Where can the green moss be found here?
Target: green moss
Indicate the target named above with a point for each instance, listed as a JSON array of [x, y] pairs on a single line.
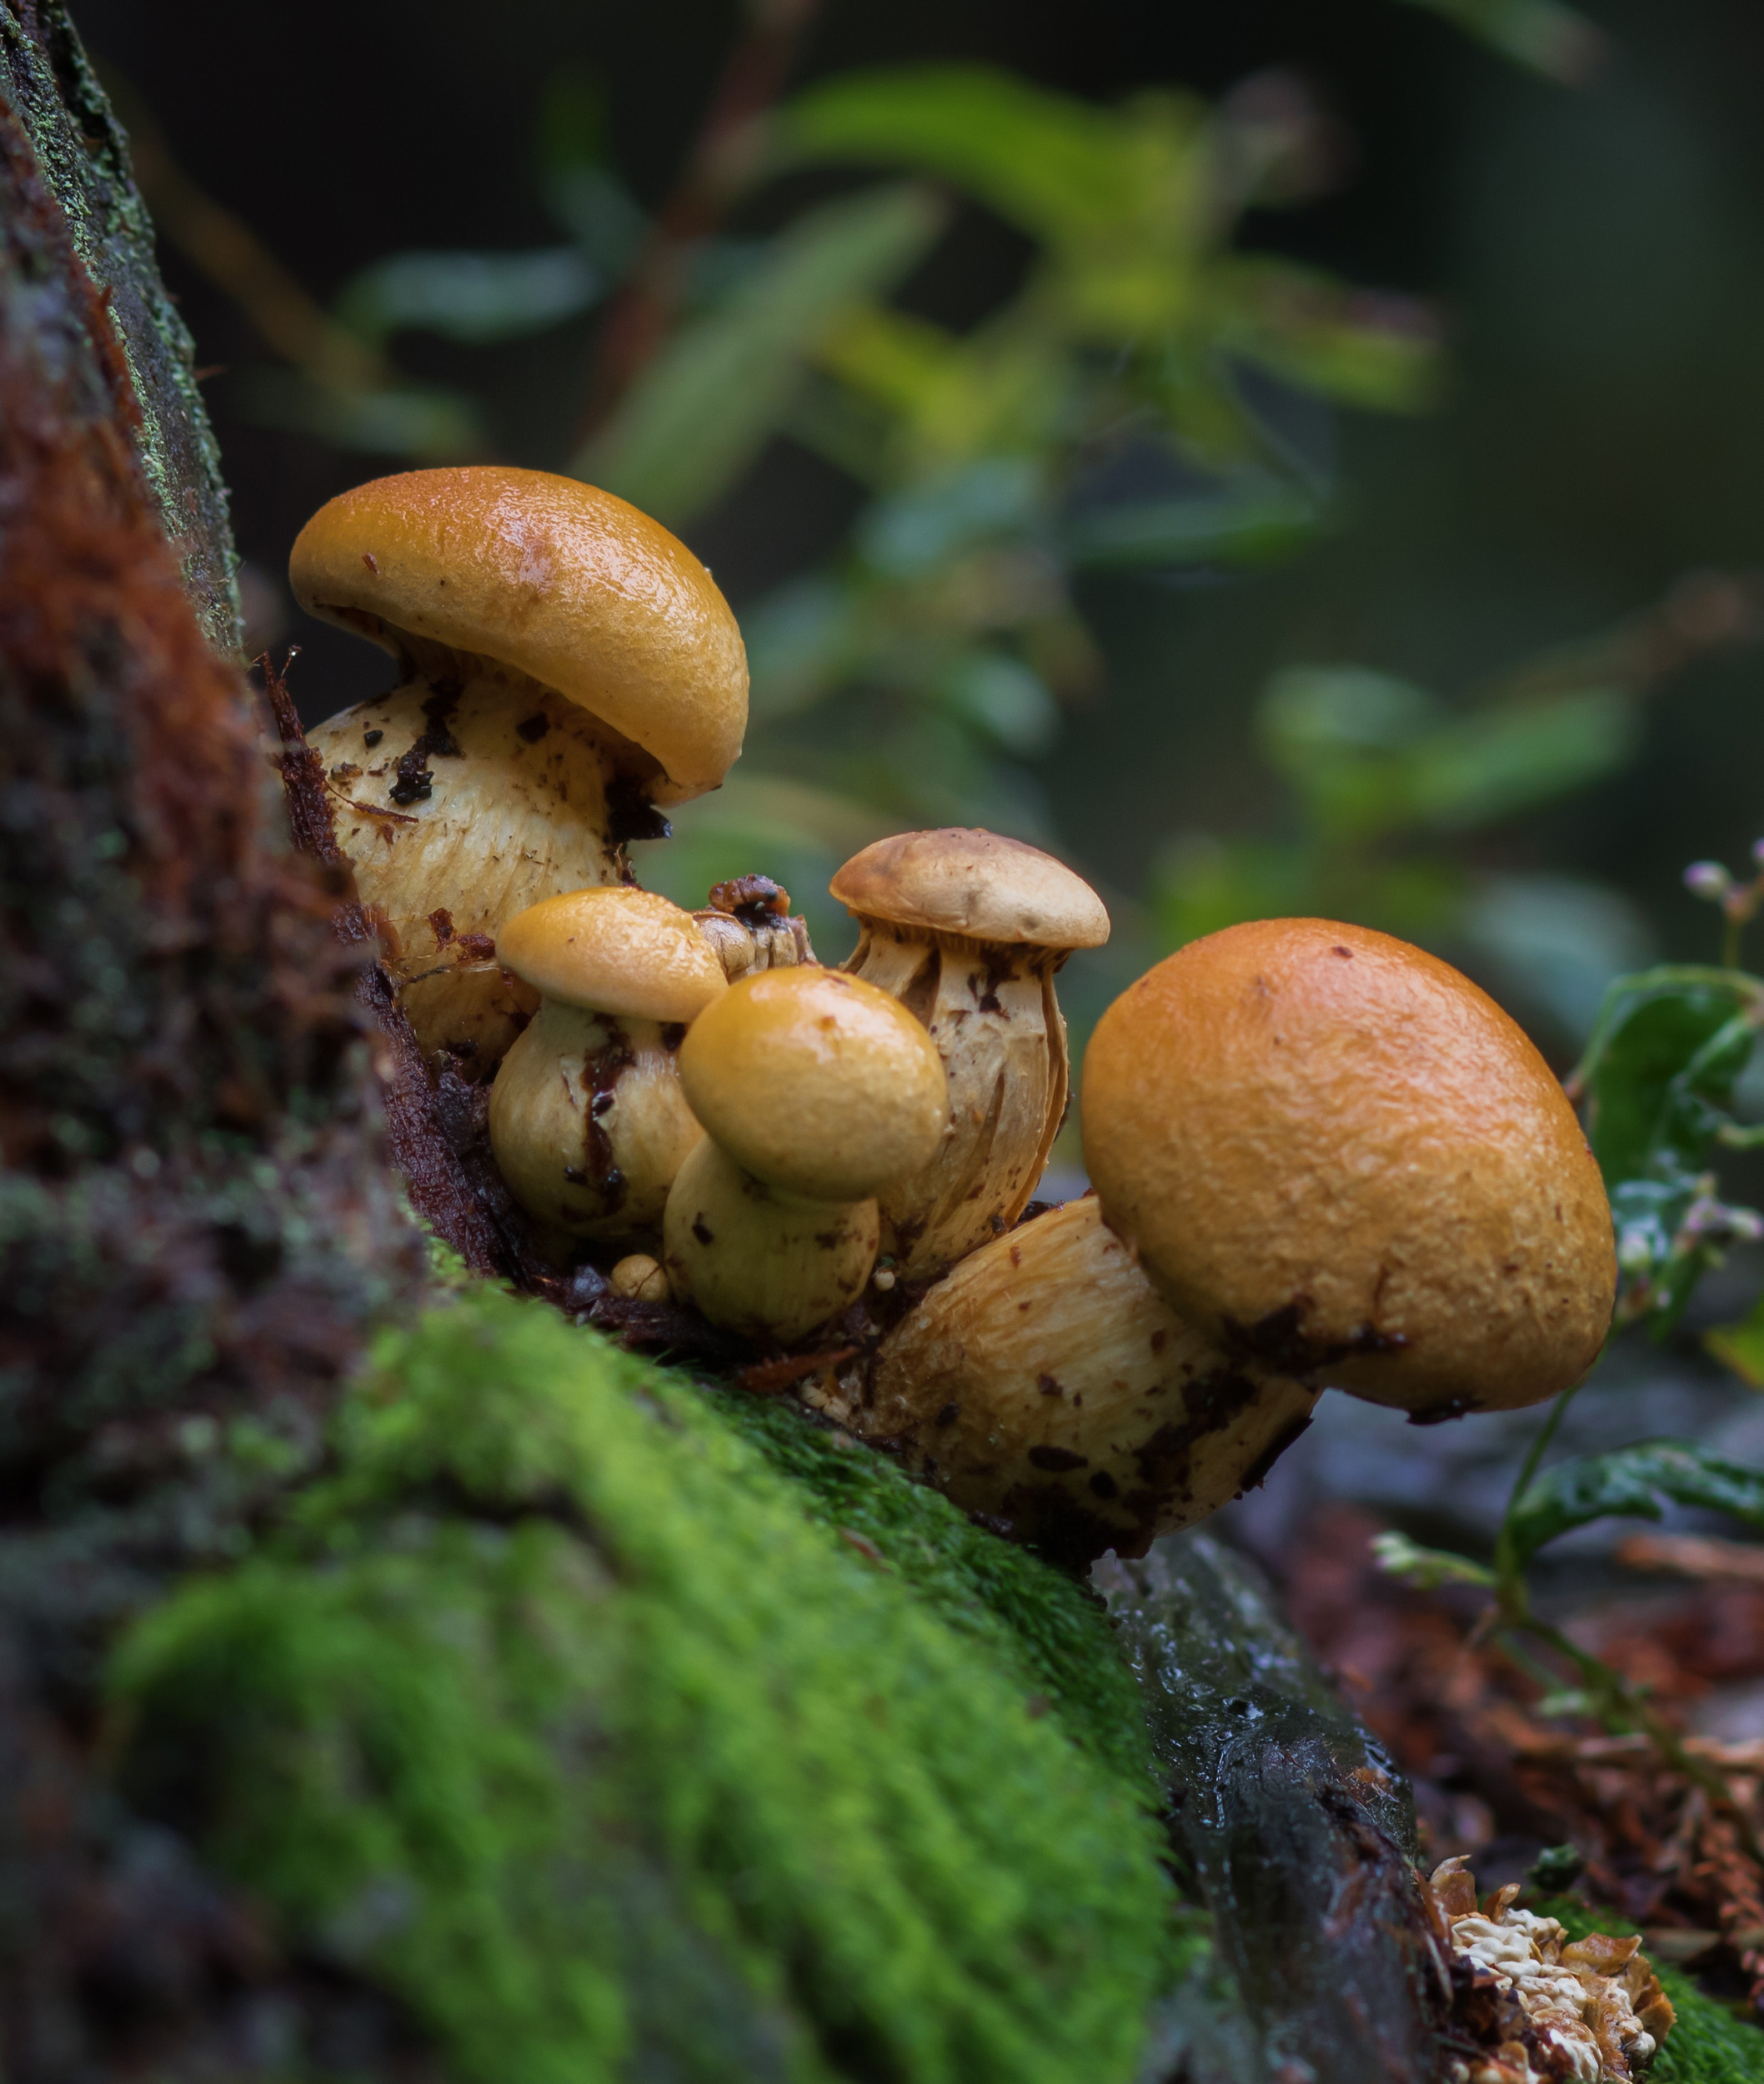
[[1046, 1627], [1707, 2045], [567, 1710]]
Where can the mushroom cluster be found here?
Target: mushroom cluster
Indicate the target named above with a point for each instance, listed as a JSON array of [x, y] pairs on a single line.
[[564, 665], [1543, 2008], [1321, 1158]]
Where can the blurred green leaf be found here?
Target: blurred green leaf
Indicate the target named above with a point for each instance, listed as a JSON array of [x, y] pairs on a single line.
[[1633, 1483], [1740, 1346], [799, 640], [706, 406], [1554, 942], [1250, 524], [1426, 1569], [1658, 1074], [1202, 884], [917, 530], [1371, 754], [1002, 697], [426, 425], [1063, 169], [473, 297], [1493, 763], [1549, 38], [1364, 347]]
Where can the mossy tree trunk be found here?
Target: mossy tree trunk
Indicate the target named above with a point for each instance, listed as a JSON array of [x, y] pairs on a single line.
[[197, 1225]]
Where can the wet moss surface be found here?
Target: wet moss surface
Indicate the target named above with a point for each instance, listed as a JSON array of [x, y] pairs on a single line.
[[622, 1728]]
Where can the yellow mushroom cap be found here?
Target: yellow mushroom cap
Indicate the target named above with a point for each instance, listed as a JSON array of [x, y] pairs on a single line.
[[554, 576], [1333, 1152], [980, 884], [815, 1083], [614, 950]]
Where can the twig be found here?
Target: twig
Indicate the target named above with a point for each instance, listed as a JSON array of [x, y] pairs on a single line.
[[718, 167]]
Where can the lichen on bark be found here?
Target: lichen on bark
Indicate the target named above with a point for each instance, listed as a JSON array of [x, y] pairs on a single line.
[[55, 103]]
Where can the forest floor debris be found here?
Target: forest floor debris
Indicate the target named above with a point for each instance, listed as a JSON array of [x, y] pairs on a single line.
[[1505, 1769]]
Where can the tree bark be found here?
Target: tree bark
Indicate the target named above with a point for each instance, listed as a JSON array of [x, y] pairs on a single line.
[[81, 158], [198, 1228]]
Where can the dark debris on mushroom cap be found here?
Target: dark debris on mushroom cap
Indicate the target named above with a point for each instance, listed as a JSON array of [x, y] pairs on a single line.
[[964, 880]]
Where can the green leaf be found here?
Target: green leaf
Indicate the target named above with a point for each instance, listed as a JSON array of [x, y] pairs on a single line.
[[1364, 347], [474, 298], [1493, 763], [1740, 1346], [914, 531], [1663, 1061], [1662, 1064], [1061, 168], [425, 425], [1427, 1569], [1557, 41], [1251, 524], [1636, 1482], [706, 406]]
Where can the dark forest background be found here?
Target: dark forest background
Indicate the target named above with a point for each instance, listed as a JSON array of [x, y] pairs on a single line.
[[1595, 253]]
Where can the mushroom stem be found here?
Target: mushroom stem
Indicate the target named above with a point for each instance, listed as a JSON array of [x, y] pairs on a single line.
[[466, 795], [749, 923], [588, 1123], [1045, 1382], [991, 1011], [768, 1265]]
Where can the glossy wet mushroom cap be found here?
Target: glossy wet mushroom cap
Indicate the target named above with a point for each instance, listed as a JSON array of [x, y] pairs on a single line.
[[616, 949], [1336, 1154], [815, 1083], [561, 581], [976, 884]]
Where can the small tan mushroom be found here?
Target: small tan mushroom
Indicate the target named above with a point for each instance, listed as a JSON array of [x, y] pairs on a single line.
[[564, 663], [967, 930], [1335, 1155], [588, 1123], [639, 1278], [815, 1091], [1047, 1384], [749, 923]]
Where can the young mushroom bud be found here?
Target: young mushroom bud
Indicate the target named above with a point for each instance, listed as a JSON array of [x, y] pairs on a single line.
[[565, 664], [1335, 1155], [1045, 1383], [967, 930], [814, 1091], [749, 923], [588, 1123]]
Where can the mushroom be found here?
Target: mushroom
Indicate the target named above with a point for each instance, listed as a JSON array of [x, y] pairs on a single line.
[[588, 1123], [967, 930], [564, 663], [1046, 1383], [749, 924], [1335, 1155], [814, 1091]]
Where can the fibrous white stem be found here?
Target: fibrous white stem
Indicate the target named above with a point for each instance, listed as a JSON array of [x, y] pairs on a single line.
[[992, 1012], [1047, 1383], [769, 1265], [588, 1123], [466, 795]]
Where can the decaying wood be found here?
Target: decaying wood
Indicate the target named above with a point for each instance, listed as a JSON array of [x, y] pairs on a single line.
[[1294, 1821]]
